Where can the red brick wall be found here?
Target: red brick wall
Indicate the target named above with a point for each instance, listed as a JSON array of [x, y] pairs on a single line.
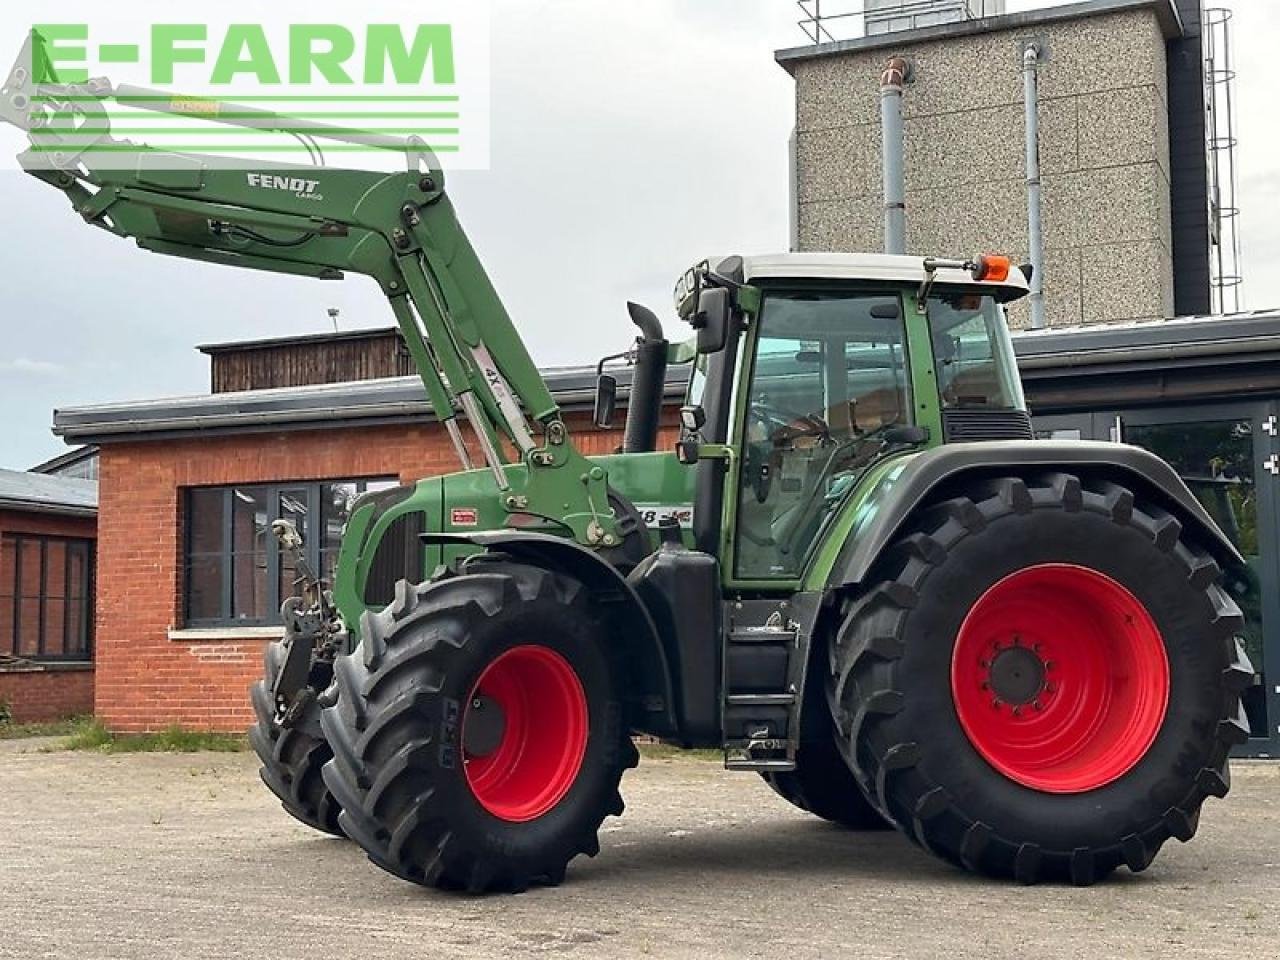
[[35, 695], [147, 681]]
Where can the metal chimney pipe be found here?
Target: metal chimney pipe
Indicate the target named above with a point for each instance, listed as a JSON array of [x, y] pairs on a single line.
[[1035, 225], [892, 81]]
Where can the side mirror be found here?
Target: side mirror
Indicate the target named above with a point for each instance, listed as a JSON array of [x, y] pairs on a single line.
[[712, 320], [606, 400]]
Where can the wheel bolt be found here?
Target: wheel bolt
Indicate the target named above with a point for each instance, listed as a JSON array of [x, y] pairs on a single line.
[[1049, 664], [1037, 706], [1017, 711], [996, 703], [1050, 688], [476, 704]]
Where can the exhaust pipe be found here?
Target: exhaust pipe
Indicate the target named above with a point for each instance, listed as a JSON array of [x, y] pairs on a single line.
[[892, 82], [649, 378], [1035, 225]]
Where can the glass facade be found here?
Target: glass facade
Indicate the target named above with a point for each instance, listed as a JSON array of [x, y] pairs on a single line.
[[235, 572]]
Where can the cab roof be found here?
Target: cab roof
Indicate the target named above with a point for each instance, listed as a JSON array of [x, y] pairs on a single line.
[[890, 268]]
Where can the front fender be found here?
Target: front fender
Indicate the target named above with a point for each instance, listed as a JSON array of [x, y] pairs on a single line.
[[879, 516], [650, 696]]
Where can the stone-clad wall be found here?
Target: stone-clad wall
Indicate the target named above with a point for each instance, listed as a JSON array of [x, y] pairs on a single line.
[[1104, 153]]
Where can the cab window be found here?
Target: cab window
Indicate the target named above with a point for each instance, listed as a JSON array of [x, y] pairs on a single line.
[[829, 378]]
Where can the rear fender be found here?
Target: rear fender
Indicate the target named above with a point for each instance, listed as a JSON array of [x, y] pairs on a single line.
[[650, 697], [885, 511]]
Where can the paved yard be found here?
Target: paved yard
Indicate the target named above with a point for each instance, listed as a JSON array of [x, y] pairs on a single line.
[[160, 856]]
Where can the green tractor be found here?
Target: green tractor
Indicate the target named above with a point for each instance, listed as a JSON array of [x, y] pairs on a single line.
[[857, 573]]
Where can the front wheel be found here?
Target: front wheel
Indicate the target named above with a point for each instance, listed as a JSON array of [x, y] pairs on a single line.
[[1044, 682], [292, 758], [478, 738]]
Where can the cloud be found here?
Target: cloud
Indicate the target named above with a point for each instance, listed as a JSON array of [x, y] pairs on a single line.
[[38, 368]]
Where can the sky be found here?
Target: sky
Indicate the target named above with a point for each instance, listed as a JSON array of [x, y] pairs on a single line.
[[629, 140]]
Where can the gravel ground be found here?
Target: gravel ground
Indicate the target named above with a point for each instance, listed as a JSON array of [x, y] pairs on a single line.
[[163, 856]]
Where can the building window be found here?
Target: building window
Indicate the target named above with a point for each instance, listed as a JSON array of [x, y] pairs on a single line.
[[46, 598], [235, 572]]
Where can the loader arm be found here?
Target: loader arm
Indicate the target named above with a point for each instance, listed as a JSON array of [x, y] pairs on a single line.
[[322, 222]]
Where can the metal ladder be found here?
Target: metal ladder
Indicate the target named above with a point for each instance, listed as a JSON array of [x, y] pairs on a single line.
[[761, 721]]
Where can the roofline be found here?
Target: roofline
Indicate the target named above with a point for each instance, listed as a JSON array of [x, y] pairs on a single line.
[[18, 505], [1165, 10], [1231, 339], [82, 452], [232, 346], [360, 403]]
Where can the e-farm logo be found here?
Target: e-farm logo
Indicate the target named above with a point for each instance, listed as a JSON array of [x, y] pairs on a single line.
[[328, 52], [243, 94]]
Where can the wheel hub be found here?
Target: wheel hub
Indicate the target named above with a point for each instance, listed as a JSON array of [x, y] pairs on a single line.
[[524, 733], [1017, 675], [485, 726], [1060, 678]]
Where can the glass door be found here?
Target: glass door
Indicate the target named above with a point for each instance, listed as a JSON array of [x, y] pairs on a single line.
[[1227, 456]]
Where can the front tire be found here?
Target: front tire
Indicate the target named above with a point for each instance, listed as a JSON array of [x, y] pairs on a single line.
[[292, 759], [1043, 680], [478, 737]]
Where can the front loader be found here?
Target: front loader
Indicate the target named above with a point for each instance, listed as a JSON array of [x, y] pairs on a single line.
[[857, 573]]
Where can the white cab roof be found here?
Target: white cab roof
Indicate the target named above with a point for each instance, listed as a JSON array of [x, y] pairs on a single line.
[[866, 266]]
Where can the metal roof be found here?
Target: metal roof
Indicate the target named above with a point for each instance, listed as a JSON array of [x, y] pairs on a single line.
[[40, 493], [55, 465], [1165, 10], [1149, 340]]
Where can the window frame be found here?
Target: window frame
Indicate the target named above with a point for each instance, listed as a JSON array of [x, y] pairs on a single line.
[[11, 645], [313, 545]]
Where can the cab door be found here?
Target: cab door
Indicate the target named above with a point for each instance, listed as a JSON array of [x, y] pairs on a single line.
[[826, 373]]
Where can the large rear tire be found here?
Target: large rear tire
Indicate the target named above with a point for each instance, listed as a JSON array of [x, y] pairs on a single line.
[[822, 783], [292, 759], [478, 737], [1042, 680]]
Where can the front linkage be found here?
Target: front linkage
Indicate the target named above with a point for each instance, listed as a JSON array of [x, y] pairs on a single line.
[[314, 636]]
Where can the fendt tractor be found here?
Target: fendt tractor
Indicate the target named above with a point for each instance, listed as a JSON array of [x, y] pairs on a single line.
[[857, 573]]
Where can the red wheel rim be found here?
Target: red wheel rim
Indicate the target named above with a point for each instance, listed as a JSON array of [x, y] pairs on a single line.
[[530, 759], [1060, 678]]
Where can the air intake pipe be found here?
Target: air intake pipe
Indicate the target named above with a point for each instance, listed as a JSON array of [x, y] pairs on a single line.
[[648, 383]]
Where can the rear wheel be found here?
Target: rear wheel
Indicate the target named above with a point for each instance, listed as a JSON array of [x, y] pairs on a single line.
[[292, 759], [478, 738], [1044, 682]]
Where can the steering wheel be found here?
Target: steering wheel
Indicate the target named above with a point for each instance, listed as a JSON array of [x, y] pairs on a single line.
[[779, 420]]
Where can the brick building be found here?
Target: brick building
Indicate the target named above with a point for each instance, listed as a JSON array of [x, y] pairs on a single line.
[[190, 579], [47, 532]]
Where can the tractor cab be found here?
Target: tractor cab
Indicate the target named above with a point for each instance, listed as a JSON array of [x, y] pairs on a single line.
[[817, 368]]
